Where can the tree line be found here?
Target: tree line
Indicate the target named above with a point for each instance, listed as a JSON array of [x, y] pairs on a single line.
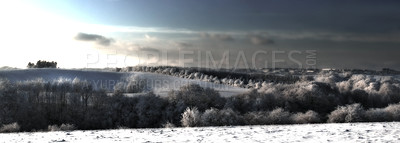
[[42, 64], [40, 105], [221, 76]]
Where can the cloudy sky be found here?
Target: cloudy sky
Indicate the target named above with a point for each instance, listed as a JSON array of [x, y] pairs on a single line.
[[361, 34]]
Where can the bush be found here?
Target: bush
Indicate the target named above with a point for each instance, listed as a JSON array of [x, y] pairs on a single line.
[[169, 125], [194, 95], [8, 128], [279, 116], [228, 117], [393, 111], [63, 127], [215, 117], [191, 117], [256, 118], [131, 84], [376, 115], [346, 114], [308, 117]]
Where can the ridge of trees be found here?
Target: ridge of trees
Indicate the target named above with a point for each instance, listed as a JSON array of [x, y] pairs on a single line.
[[38, 104], [42, 64], [237, 78]]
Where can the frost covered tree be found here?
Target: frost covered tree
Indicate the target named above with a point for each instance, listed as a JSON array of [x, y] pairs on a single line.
[[194, 95], [308, 117], [346, 114], [191, 117], [224, 117]]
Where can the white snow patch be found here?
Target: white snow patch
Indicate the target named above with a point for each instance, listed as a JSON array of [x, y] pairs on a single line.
[[162, 84], [349, 132], [158, 83]]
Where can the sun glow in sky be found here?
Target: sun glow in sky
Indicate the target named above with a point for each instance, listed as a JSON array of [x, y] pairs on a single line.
[[30, 34], [364, 34]]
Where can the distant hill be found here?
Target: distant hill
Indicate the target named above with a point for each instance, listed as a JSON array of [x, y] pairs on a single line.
[[160, 84]]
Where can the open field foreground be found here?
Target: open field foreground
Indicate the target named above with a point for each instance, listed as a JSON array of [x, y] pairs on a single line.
[[348, 132]]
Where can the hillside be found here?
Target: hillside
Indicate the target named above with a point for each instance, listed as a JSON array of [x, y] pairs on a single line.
[[160, 84]]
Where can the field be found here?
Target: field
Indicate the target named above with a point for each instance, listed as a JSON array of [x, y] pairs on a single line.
[[346, 132], [158, 83]]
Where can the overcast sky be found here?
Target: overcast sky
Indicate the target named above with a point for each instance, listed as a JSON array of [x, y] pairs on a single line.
[[108, 33]]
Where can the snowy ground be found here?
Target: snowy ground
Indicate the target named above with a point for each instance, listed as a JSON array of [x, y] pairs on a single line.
[[162, 84], [349, 132], [158, 83]]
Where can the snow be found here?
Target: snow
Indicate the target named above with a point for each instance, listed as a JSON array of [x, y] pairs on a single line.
[[54, 74], [158, 83], [348, 132], [162, 84]]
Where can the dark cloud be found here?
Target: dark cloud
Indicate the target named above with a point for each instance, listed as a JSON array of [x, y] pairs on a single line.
[[220, 37], [260, 40], [101, 40], [183, 44], [148, 49]]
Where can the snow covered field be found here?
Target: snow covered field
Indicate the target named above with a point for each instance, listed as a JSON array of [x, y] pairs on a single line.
[[159, 84], [53, 74], [349, 132], [162, 84]]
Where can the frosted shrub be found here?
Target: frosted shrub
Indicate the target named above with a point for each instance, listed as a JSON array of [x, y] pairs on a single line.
[[387, 114], [308, 117], [209, 117], [393, 111], [215, 117], [67, 127], [53, 128], [256, 118], [131, 84], [194, 95], [135, 84], [279, 116], [229, 117], [8, 128], [344, 86], [190, 118], [346, 114], [376, 115], [168, 125], [63, 127], [327, 77]]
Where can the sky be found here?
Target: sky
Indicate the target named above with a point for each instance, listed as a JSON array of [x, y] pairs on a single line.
[[362, 34]]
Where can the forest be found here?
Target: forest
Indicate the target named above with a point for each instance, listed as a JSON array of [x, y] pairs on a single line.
[[65, 104]]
